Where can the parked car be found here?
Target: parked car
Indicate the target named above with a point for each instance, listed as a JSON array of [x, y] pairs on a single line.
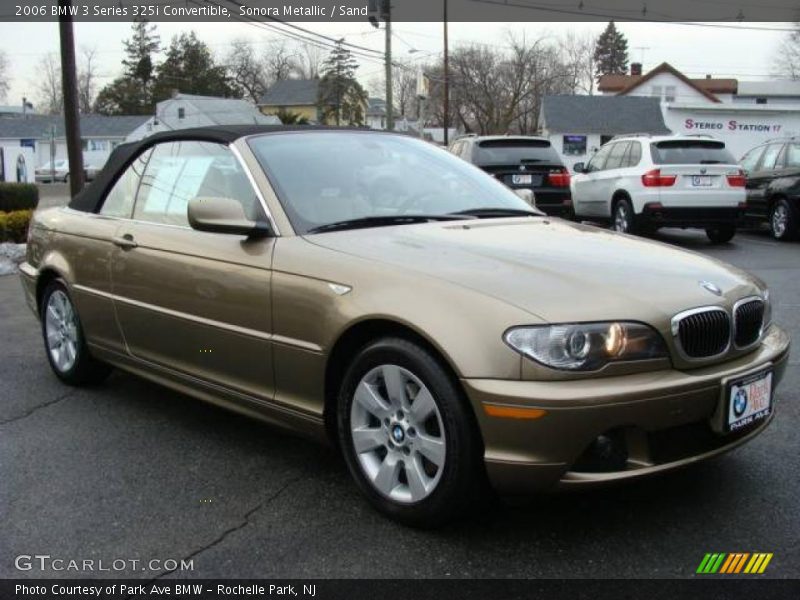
[[453, 338], [641, 183], [522, 163], [773, 186], [44, 174], [53, 171]]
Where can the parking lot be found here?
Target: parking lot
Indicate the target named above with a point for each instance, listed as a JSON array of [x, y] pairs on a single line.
[[131, 471]]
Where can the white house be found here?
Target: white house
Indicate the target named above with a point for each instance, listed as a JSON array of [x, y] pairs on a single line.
[[742, 114], [187, 110], [44, 134]]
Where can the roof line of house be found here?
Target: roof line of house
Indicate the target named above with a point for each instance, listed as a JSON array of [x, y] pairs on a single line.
[[665, 67]]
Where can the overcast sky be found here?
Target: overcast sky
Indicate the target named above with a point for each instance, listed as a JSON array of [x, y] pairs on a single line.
[[695, 50]]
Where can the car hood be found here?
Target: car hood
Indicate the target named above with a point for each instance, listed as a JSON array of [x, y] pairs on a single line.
[[555, 270]]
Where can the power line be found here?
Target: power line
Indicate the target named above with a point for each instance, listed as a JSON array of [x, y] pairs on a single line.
[[579, 12]]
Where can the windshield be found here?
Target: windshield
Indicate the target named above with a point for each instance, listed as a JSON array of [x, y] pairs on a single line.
[[690, 152], [324, 177]]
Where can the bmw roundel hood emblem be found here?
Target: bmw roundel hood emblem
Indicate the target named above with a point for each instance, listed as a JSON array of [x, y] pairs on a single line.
[[714, 289]]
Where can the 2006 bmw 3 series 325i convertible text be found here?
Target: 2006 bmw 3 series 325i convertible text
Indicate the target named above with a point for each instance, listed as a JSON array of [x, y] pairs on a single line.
[[372, 290]]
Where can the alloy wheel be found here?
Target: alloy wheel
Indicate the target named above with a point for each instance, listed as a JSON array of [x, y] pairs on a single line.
[[398, 434], [780, 220], [61, 330], [621, 218]]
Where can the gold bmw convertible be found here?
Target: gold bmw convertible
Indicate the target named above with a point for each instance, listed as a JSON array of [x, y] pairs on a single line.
[[374, 291]]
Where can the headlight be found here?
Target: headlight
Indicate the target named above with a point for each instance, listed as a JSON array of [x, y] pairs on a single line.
[[586, 346]]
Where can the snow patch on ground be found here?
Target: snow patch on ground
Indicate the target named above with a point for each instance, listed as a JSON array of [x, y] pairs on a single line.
[[10, 256]]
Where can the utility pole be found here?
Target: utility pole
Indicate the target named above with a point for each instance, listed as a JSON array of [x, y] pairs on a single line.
[[446, 120], [387, 17], [378, 10], [69, 80]]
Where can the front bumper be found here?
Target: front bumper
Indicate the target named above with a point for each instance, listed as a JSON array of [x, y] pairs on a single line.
[[662, 419]]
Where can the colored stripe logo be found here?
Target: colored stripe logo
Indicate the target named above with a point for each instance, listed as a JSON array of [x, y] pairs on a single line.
[[734, 563]]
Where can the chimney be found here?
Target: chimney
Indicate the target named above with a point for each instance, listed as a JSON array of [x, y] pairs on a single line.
[[636, 69]]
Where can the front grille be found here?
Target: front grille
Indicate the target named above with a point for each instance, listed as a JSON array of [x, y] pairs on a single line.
[[704, 334], [748, 320]]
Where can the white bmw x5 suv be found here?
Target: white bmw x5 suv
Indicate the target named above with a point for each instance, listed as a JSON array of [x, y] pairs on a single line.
[[641, 183]]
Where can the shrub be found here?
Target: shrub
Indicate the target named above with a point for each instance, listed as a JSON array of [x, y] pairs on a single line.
[[18, 196], [14, 226]]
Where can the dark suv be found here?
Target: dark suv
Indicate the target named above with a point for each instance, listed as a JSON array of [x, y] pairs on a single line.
[[522, 162], [773, 186]]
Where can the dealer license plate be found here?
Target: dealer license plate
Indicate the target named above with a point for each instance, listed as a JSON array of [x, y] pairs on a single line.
[[749, 400], [525, 179], [701, 180]]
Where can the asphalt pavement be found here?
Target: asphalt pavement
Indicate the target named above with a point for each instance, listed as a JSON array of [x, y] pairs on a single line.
[[129, 471]]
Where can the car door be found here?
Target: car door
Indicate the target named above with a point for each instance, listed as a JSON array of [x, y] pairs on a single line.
[[193, 302], [92, 259], [586, 195], [611, 174], [759, 179]]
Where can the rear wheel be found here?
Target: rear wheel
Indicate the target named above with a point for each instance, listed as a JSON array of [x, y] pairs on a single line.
[[721, 234], [623, 219], [66, 347], [408, 437], [783, 220]]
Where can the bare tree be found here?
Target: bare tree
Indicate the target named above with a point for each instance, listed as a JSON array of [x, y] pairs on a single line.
[[577, 55], [404, 86], [309, 63], [87, 80], [281, 61], [48, 85], [787, 60], [5, 78], [246, 72], [499, 89]]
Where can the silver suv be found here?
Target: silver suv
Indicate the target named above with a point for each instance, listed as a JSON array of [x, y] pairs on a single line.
[[641, 183]]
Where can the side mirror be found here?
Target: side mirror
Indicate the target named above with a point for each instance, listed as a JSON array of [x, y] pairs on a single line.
[[579, 167], [223, 215], [527, 195]]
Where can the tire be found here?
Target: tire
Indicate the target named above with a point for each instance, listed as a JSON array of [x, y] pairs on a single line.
[[446, 476], [721, 234], [623, 219], [64, 342], [784, 222]]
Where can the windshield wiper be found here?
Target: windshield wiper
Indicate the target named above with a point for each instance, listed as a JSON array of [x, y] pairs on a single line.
[[496, 212], [383, 220]]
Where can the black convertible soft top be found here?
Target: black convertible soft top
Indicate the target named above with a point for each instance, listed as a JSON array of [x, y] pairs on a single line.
[[91, 198]]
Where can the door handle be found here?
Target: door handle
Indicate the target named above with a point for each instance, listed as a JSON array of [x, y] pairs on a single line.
[[125, 242]]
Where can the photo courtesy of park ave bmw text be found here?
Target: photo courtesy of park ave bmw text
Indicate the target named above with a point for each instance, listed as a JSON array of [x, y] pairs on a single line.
[[339, 299]]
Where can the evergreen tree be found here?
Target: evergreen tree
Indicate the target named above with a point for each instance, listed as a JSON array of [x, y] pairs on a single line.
[[131, 94], [611, 52], [341, 97], [190, 68]]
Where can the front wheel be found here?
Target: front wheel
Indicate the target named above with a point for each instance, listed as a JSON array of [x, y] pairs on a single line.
[[721, 234], [783, 221], [66, 347], [408, 436]]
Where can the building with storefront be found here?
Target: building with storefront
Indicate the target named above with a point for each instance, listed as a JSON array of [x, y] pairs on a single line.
[[578, 125], [742, 114]]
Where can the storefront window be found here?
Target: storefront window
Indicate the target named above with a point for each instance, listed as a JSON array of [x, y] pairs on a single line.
[[574, 145]]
